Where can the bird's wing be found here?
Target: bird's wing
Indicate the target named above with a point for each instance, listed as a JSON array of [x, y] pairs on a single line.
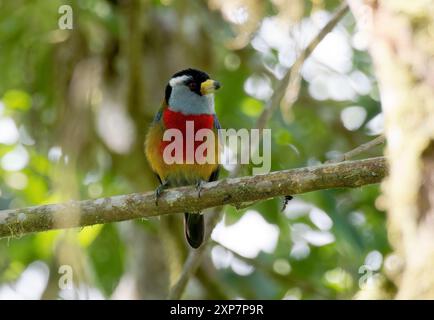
[[215, 174], [153, 138], [217, 125], [158, 115]]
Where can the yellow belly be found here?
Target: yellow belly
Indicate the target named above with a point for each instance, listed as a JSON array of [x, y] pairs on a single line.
[[177, 174]]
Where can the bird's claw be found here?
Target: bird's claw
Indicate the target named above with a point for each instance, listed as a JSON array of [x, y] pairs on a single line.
[[285, 202], [159, 191], [199, 187]]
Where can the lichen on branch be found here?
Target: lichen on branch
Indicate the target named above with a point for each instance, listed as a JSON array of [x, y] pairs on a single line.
[[233, 191]]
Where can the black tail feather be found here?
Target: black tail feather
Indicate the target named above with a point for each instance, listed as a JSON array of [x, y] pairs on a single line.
[[194, 229]]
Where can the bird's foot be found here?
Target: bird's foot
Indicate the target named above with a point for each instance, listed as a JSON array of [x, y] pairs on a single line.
[[285, 202], [199, 187], [159, 191]]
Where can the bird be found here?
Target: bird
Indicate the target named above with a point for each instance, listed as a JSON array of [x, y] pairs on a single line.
[[189, 96]]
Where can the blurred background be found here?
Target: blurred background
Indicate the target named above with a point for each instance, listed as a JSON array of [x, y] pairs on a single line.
[[75, 106]]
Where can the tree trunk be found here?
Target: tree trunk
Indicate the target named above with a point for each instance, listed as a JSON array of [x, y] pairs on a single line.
[[402, 48]]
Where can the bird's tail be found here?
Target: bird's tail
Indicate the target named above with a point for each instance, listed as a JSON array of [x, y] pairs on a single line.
[[194, 229]]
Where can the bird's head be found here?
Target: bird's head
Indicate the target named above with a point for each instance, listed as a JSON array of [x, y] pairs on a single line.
[[191, 91]]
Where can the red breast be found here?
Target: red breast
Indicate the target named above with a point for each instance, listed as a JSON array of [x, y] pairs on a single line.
[[178, 120]]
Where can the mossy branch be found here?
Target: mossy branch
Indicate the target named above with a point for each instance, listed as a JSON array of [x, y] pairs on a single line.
[[349, 174]]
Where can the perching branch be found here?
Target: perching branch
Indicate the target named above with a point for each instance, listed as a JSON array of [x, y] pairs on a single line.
[[349, 174]]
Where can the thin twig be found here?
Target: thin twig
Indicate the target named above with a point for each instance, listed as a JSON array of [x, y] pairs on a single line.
[[289, 86], [360, 149]]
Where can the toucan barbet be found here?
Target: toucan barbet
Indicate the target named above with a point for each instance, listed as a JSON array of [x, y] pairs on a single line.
[[189, 98]]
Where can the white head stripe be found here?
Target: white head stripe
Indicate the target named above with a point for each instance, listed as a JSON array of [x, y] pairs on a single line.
[[178, 80]]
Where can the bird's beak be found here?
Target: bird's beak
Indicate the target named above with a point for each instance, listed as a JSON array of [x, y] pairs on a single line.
[[209, 86]]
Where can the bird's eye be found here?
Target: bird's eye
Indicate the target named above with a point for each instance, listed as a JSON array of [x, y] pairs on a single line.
[[192, 85]]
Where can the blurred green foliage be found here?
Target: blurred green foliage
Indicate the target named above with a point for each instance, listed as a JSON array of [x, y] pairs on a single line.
[[55, 85]]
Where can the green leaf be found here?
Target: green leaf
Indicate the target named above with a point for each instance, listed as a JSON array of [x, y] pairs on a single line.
[[17, 100], [251, 107], [232, 215], [283, 137], [107, 256]]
